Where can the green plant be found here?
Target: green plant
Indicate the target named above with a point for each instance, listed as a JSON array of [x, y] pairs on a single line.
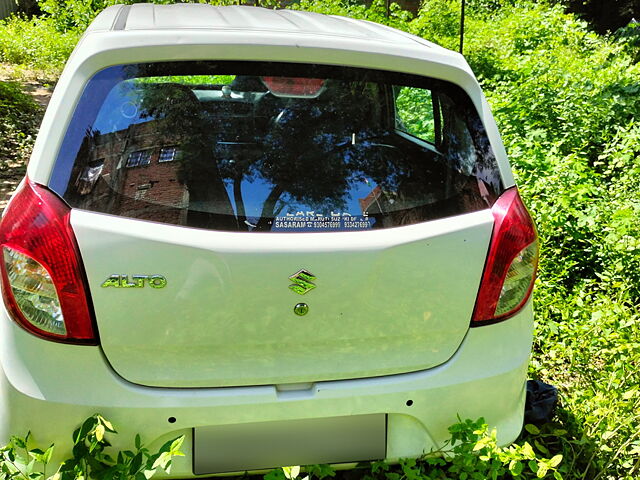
[[566, 102], [473, 454], [18, 116], [36, 43], [439, 22], [90, 460]]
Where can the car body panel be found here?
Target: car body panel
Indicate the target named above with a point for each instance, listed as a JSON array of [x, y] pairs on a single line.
[[385, 302], [484, 378]]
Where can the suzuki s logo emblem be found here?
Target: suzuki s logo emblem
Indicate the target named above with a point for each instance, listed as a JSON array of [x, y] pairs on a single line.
[[302, 282], [137, 281]]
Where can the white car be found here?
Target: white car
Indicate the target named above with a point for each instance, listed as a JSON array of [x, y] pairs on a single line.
[[293, 238]]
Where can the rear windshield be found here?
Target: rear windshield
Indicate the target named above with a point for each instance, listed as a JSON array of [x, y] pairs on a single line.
[[272, 147]]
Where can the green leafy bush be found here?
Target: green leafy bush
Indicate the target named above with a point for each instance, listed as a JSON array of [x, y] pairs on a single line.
[[18, 114], [566, 101], [472, 454], [36, 43], [438, 21], [19, 460]]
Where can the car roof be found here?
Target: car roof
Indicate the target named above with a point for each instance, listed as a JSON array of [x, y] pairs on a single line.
[[190, 16]]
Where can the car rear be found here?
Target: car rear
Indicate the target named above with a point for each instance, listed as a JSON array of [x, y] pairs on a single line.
[[273, 237]]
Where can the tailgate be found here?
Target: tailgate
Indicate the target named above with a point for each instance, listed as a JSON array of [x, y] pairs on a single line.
[[385, 302]]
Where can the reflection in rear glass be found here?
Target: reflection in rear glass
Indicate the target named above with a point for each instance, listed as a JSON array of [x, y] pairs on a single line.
[[264, 147]]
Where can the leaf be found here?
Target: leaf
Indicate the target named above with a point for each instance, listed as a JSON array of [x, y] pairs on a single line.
[[175, 446], [99, 432], [291, 472], [516, 467], [84, 430], [30, 465], [532, 429], [542, 470], [541, 447], [527, 451], [555, 461], [323, 470], [148, 473], [47, 454], [19, 442], [138, 442], [108, 425], [275, 474], [79, 450], [162, 460], [629, 394], [37, 455], [136, 463]]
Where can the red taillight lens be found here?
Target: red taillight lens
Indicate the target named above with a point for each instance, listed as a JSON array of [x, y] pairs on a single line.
[[511, 266], [43, 282]]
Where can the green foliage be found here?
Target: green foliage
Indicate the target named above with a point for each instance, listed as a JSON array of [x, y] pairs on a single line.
[[35, 43], [473, 454], [189, 79], [76, 15], [438, 21], [376, 11], [630, 38], [415, 109], [21, 461], [18, 113], [566, 101], [73, 14], [485, 7]]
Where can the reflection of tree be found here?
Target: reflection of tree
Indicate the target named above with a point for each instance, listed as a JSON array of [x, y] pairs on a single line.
[[309, 152], [181, 116], [305, 153], [85, 158]]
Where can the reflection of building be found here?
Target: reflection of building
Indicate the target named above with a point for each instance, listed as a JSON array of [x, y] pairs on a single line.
[[370, 204], [133, 173]]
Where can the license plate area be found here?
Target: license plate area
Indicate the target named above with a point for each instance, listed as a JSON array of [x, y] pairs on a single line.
[[266, 445]]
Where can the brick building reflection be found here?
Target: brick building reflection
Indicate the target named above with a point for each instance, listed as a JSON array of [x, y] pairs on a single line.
[[134, 173]]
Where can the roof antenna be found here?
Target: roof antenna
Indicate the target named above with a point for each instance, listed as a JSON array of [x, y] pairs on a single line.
[[462, 26]]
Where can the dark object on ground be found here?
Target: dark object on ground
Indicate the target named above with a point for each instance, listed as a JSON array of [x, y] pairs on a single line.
[[541, 402], [605, 15]]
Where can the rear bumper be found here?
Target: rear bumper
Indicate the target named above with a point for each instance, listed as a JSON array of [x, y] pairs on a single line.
[[49, 388]]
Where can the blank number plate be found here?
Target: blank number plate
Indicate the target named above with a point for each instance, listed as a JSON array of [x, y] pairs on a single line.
[[265, 445]]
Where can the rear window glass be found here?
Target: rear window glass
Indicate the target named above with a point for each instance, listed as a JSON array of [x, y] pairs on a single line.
[[271, 147]]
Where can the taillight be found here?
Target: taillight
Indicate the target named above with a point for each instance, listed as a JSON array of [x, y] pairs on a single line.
[[43, 282], [511, 265]]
